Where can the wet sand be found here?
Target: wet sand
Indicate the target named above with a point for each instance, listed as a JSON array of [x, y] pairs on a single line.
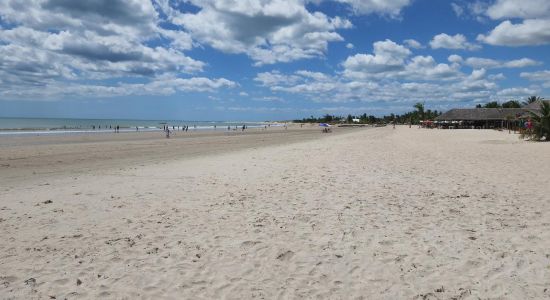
[[24, 158]]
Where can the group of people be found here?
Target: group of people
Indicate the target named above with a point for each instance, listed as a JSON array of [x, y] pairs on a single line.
[[182, 128], [116, 128], [229, 127], [167, 131]]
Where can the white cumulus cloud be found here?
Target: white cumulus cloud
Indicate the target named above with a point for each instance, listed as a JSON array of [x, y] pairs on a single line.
[[524, 9], [391, 8], [457, 41], [56, 46], [478, 62], [411, 43], [540, 76], [388, 56], [528, 32], [532, 29], [267, 31]]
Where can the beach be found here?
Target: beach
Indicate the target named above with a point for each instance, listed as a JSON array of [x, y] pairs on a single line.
[[360, 213]]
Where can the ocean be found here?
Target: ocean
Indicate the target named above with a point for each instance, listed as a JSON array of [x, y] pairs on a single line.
[[22, 126]]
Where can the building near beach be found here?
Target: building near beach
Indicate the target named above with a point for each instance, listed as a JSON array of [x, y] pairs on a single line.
[[486, 117]]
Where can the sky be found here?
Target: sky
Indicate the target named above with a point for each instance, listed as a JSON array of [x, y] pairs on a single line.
[[267, 60]]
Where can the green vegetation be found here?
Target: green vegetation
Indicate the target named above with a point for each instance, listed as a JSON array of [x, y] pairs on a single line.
[[532, 99], [509, 104], [413, 117], [541, 124]]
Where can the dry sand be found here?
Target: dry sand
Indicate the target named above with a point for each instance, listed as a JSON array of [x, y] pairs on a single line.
[[365, 213]]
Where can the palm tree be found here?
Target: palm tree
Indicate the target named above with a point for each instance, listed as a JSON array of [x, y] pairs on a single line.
[[492, 104], [420, 109], [511, 104], [541, 123], [532, 99]]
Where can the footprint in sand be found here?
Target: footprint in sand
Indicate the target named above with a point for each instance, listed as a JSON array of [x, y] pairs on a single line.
[[285, 256]]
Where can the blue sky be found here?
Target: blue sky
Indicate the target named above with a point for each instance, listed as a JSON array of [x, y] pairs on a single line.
[[267, 60]]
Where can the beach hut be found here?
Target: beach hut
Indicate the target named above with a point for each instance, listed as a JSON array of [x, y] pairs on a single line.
[[481, 117], [488, 117]]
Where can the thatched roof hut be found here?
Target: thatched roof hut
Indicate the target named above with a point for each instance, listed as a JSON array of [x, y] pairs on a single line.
[[481, 114], [488, 117]]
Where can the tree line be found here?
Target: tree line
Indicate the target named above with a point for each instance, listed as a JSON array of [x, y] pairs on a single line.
[[415, 116], [510, 104]]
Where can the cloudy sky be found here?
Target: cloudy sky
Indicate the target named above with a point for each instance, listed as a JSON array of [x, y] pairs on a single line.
[[260, 59]]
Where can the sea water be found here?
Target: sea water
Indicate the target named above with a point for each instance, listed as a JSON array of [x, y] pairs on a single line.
[[22, 126]]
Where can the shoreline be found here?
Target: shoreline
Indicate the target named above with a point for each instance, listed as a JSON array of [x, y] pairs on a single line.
[[35, 126], [76, 131], [26, 157]]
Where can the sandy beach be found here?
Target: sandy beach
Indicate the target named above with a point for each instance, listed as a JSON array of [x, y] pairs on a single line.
[[366, 213]]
